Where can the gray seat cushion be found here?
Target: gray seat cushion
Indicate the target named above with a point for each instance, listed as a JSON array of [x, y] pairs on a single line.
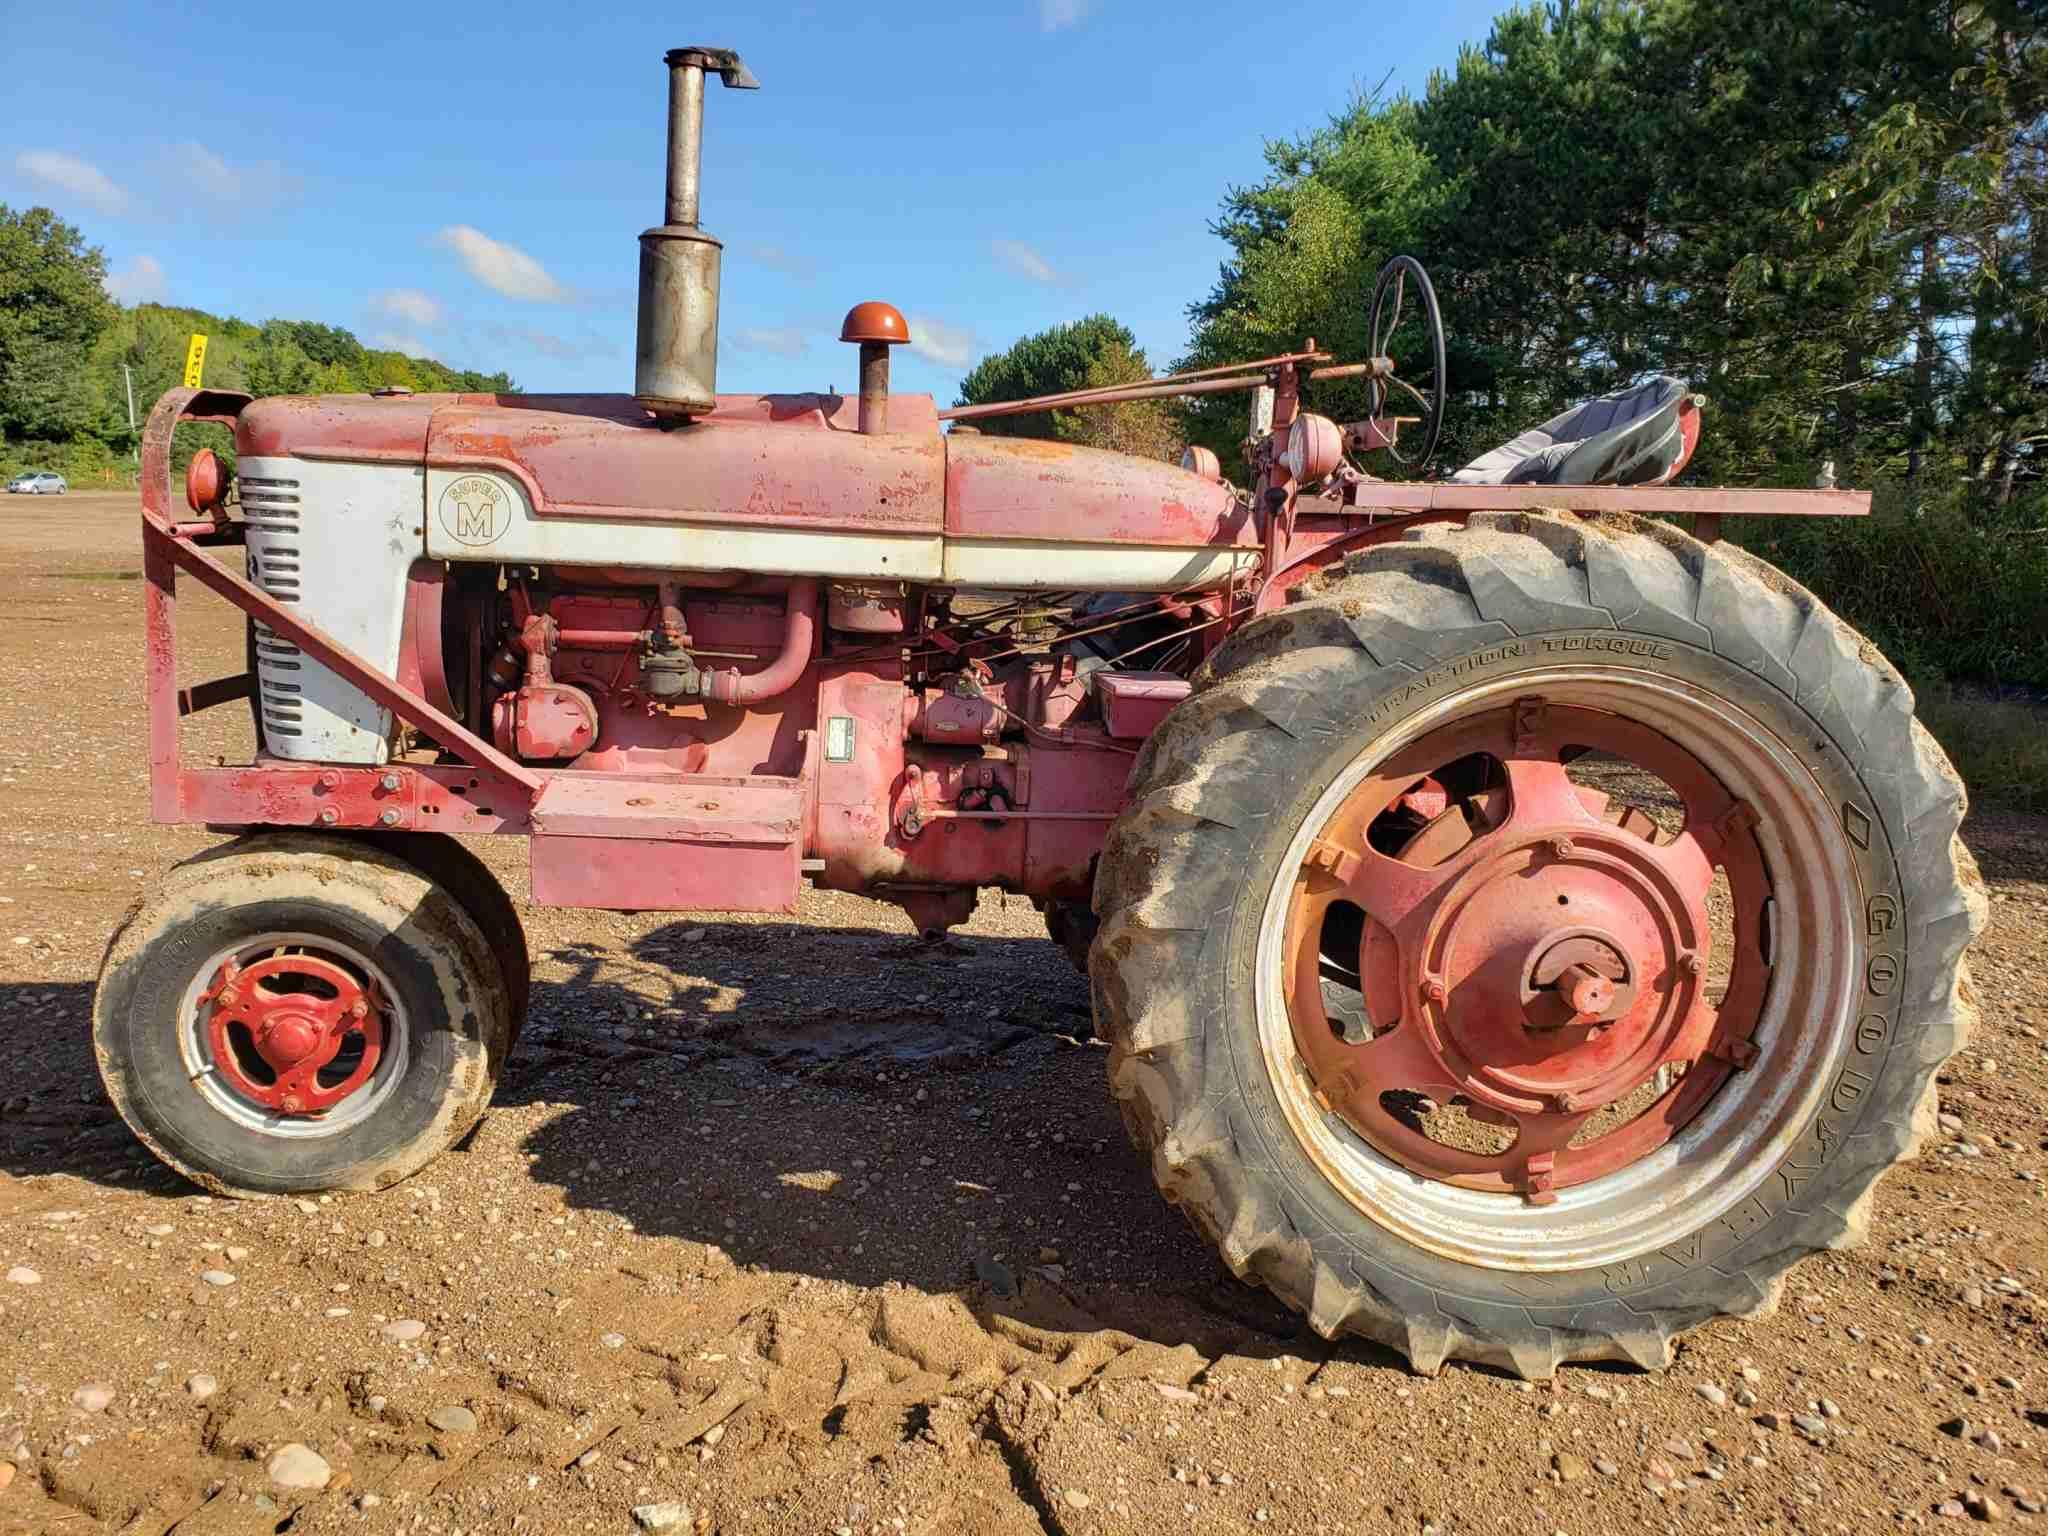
[[1632, 437]]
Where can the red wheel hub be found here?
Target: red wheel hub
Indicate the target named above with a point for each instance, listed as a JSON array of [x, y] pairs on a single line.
[[279, 1027], [1533, 954]]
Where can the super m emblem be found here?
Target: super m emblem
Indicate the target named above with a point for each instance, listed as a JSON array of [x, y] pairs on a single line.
[[474, 510]]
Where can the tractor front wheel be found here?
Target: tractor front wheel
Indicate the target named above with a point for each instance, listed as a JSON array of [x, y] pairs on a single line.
[[289, 1013], [1532, 944]]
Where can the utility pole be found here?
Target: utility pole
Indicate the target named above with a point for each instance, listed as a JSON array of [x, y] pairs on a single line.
[[128, 379]]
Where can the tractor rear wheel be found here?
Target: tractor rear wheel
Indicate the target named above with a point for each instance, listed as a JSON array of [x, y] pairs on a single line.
[[291, 1012], [1529, 946]]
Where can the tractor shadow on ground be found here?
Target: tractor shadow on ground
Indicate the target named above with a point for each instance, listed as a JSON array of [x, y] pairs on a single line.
[[55, 1117], [859, 1108]]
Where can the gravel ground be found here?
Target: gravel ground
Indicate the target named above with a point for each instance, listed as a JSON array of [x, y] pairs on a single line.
[[803, 1226]]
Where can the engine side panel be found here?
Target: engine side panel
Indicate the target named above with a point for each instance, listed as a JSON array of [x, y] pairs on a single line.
[[335, 541], [489, 515]]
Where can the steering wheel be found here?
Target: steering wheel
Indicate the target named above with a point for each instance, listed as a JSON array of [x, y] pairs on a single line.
[[1396, 278]]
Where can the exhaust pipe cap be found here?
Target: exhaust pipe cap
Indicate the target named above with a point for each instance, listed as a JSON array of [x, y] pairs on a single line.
[[875, 321]]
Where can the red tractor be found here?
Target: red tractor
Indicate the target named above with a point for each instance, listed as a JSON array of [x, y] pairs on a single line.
[[1522, 928]]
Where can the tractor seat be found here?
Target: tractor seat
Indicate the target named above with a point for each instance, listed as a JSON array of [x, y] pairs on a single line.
[[1637, 436]]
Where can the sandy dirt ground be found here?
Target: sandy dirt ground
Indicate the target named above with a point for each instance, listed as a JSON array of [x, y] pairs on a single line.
[[804, 1227]]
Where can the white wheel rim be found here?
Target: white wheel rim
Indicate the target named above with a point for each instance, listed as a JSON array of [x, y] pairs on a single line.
[[196, 1048]]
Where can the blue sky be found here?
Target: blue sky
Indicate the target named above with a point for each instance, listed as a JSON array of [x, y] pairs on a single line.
[[467, 182]]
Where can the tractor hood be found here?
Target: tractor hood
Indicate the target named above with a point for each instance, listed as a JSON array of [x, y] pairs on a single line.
[[789, 460], [777, 484], [1023, 488]]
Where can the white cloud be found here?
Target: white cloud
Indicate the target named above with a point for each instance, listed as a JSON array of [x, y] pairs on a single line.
[[780, 258], [80, 178], [401, 341], [1024, 261], [1058, 15], [547, 343], [207, 178], [937, 342], [140, 282], [503, 268], [409, 305], [777, 340]]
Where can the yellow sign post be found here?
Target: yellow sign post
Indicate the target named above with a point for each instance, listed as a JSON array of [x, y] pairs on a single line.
[[195, 360]]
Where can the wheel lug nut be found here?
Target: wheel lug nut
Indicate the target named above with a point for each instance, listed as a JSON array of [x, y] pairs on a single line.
[[1561, 847], [293, 1104], [1693, 961], [1433, 991]]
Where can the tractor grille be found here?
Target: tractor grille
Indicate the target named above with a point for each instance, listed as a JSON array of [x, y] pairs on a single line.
[[270, 509]]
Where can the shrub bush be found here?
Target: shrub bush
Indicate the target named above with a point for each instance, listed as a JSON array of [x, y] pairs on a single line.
[[1941, 591]]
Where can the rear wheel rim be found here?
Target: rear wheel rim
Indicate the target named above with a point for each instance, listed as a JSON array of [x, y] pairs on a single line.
[[1628, 1123], [293, 1035]]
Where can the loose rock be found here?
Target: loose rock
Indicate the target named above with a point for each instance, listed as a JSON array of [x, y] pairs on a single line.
[[299, 1466], [1983, 1506], [659, 1517], [454, 1419]]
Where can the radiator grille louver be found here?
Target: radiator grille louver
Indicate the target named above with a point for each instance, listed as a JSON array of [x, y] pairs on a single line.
[[270, 510]]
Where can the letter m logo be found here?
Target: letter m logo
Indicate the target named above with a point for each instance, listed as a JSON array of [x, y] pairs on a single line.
[[473, 521]]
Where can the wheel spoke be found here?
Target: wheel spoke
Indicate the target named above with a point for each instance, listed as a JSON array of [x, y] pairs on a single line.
[[1381, 339], [1541, 794], [1420, 398], [1397, 1058], [1387, 889], [1690, 864]]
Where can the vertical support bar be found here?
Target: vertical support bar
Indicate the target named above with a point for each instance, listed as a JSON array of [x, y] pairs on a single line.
[[1706, 527], [160, 673]]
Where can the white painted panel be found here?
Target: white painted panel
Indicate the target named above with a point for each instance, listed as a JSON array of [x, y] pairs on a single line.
[[1106, 567], [488, 517], [335, 542]]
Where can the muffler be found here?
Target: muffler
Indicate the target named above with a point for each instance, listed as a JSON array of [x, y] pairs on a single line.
[[675, 362]]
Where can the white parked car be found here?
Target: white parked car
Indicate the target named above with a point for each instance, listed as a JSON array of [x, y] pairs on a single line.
[[37, 482]]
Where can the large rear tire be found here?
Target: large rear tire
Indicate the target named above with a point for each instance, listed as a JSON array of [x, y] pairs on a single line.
[[289, 1013], [1288, 824]]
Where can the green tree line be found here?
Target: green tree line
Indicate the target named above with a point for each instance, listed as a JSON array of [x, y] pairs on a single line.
[[1825, 214], [1830, 217], [64, 345]]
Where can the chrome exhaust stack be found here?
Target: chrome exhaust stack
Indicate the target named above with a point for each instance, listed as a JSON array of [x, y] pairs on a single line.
[[675, 361]]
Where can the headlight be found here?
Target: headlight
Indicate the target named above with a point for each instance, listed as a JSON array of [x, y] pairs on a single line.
[[1314, 448]]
